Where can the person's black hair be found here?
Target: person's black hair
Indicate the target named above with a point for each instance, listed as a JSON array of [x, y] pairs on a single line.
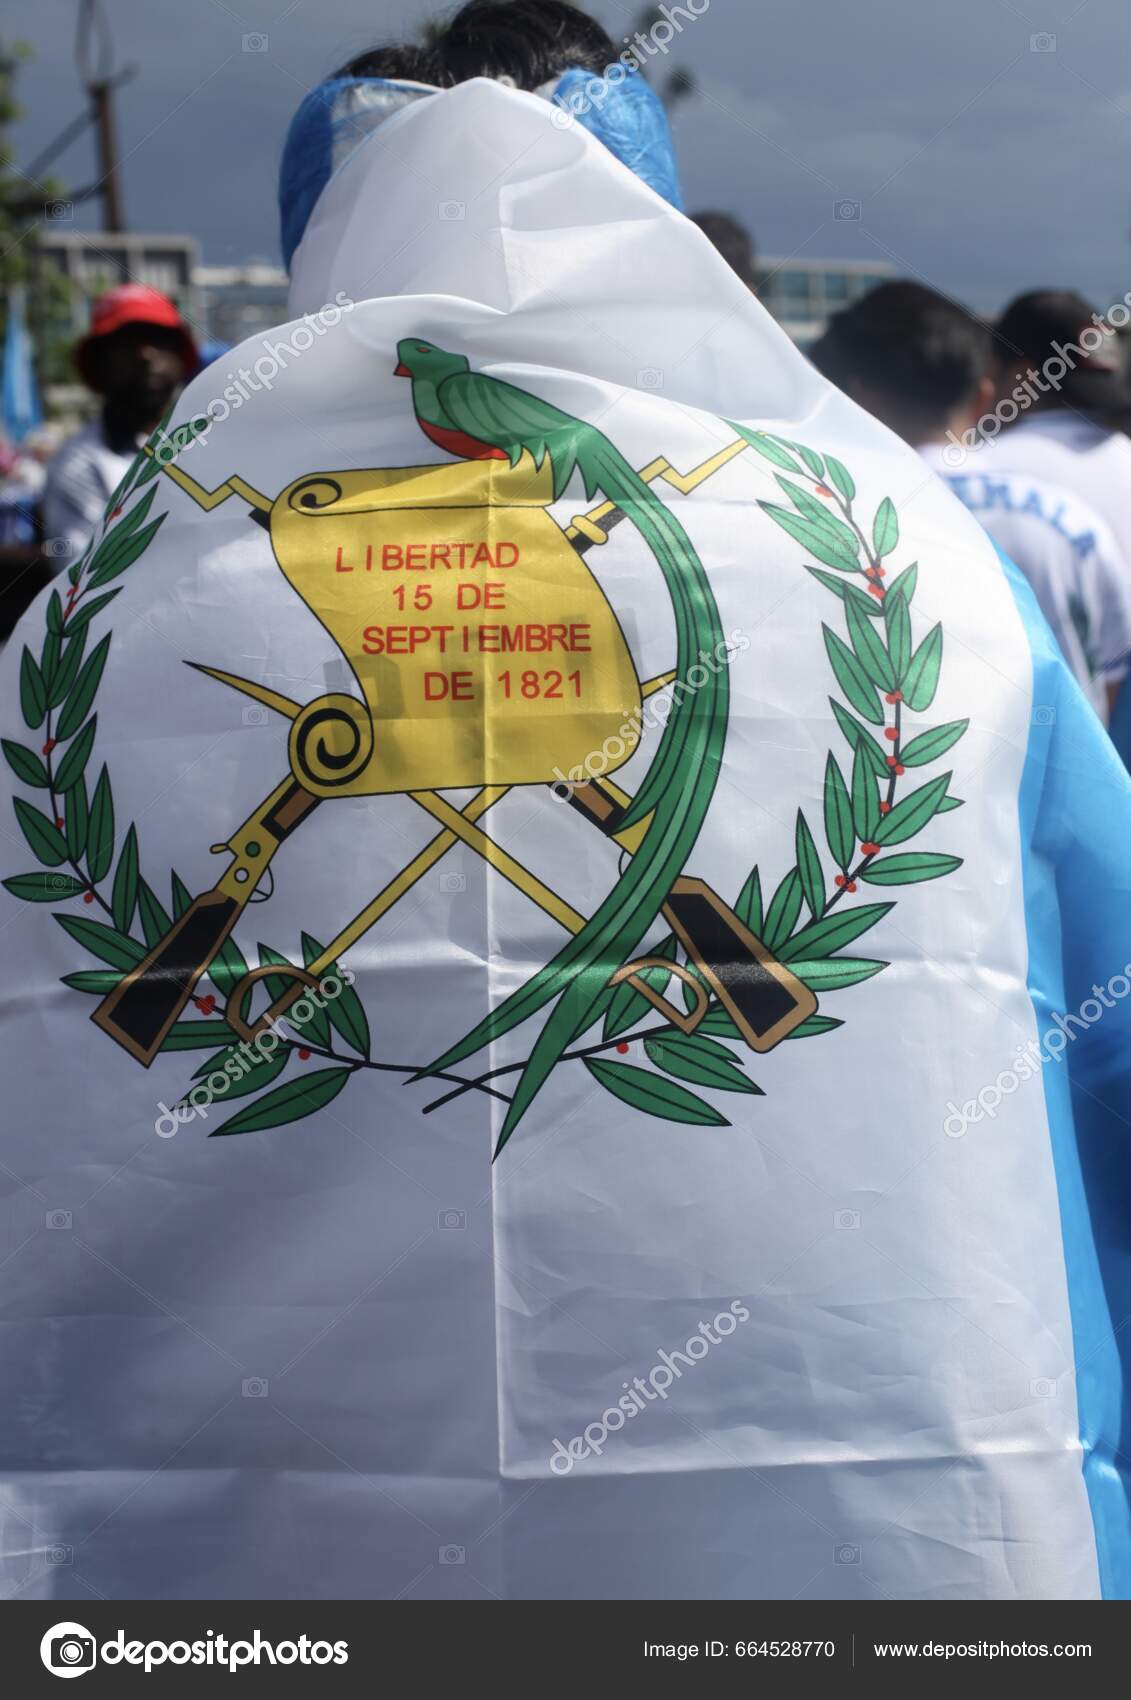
[[397, 60], [733, 241], [529, 41], [924, 351]]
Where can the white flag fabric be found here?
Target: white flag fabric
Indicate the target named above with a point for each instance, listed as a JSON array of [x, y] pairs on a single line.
[[663, 805]]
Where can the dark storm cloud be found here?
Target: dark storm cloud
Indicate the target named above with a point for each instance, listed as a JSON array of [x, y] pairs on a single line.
[[986, 142]]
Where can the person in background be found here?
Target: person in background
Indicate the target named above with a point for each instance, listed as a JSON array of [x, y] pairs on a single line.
[[1065, 405], [136, 357], [924, 366], [733, 241]]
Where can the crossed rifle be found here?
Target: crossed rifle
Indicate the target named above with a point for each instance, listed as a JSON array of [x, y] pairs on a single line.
[[763, 997]]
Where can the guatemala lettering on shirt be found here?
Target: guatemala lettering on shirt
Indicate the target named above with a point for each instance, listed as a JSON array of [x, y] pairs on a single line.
[[997, 496]]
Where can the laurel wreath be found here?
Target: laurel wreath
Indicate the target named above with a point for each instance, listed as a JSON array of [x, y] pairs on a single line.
[[807, 923]]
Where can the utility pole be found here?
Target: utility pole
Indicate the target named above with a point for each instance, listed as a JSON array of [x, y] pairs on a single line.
[[94, 53], [102, 102]]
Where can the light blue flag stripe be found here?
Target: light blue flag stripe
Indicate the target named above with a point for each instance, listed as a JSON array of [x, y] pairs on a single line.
[[1075, 816]]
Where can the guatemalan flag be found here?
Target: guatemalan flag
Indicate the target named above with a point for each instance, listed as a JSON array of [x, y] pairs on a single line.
[[567, 958]]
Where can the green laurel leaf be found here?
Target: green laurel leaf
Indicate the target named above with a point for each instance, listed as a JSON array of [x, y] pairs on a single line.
[[102, 941], [79, 701], [43, 888], [809, 866], [844, 539], [865, 800], [289, 1103], [840, 478], [912, 812], [910, 868], [868, 646], [766, 446], [25, 764], [652, 1094], [100, 831], [76, 815], [897, 620], [98, 980], [748, 904], [785, 906], [44, 837], [813, 538], [839, 830], [814, 1025], [195, 1035], [922, 676], [155, 923], [256, 1077], [123, 897], [852, 678], [73, 649], [833, 932], [703, 1061], [33, 691], [885, 528], [182, 897], [861, 740], [83, 614], [126, 554], [928, 746], [833, 972], [345, 1010], [70, 769], [849, 593]]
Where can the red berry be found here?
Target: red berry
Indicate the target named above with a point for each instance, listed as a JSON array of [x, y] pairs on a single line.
[[852, 885], [885, 808], [115, 512], [59, 822], [894, 696], [891, 761], [899, 767], [88, 897], [48, 746], [891, 734], [877, 590], [869, 849], [205, 1005], [622, 1048], [840, 880], [823, 490], [303, 1054]]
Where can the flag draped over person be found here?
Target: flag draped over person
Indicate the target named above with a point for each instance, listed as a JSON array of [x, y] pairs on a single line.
[[567, 957]]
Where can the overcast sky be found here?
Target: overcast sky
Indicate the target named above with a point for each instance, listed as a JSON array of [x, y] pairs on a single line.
[[987, 141]]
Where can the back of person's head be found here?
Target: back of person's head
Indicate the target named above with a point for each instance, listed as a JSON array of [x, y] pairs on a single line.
[[528, 42], [733, 241], [909, 355], [1044, 327], [399, 61]]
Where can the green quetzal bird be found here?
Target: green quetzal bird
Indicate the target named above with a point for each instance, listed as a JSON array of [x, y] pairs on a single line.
[[479, 417]]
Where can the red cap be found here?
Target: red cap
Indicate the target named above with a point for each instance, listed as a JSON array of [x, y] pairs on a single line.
[[135, 304]]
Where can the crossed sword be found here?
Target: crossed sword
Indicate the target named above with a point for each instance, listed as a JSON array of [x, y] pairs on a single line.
[[763, 997]]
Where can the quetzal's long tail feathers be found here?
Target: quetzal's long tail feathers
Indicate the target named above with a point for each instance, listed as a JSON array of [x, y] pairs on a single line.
[[677, 791]]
